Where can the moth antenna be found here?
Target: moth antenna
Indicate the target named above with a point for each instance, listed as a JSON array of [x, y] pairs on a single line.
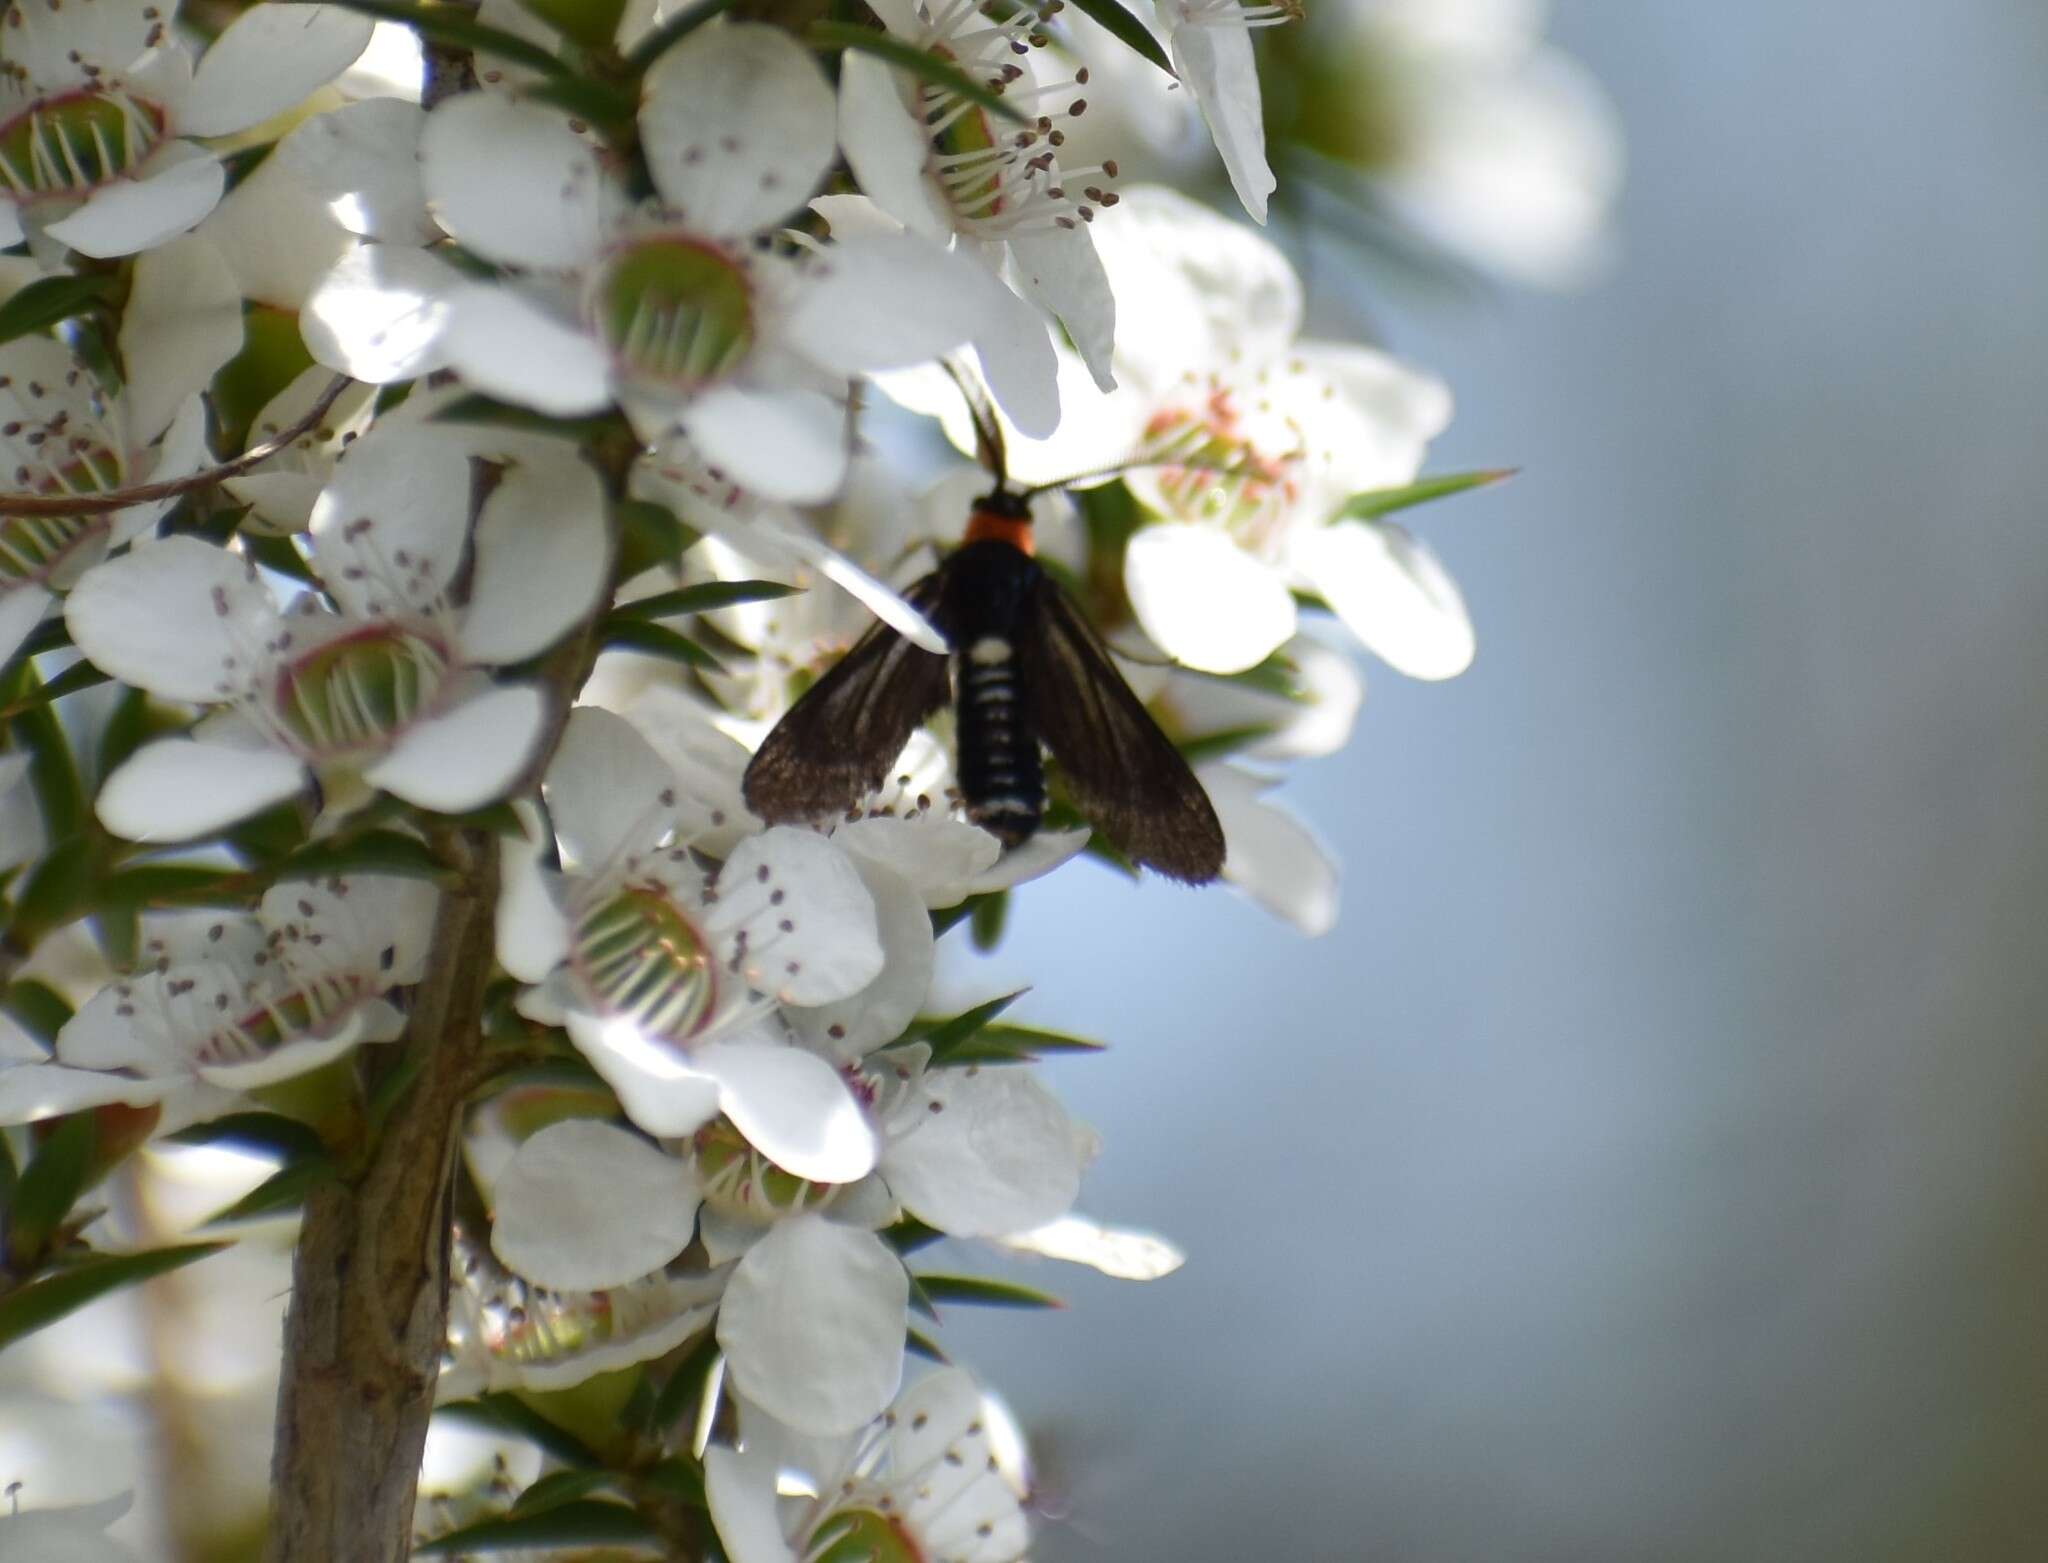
[[989, 449]]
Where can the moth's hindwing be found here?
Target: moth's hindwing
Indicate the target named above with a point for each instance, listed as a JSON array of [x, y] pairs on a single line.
[[1123, 772]]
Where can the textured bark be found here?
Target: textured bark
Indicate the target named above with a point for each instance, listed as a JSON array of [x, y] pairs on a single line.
[[369, 1309]]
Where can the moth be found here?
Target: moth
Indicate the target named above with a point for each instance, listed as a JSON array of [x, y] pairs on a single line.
[[1025, 669]]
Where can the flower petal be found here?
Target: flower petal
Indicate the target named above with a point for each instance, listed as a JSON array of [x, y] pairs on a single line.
[[391, 524], [793, 913], [60, 45], [1117, 1252], [738, 125], [271, 57], [606, 790], [1272, 856], [29, 1092], [541, 560], [511, 181], [782, 444], [178, 788], [1020, 364], [885, 147], [133, 214], [1393, 594], [177, 618], [183, 321], [996, 1154], [1205, 601], [878, 1013], [888, 300], [793, 1107], [466, 757], [812, 1325], [583, 1207], [277, 238], [1216, 62], [362, 162], [503, 343], [1060, 270], [741, 1491], [532, 931], [655, 1083], [380, 314]]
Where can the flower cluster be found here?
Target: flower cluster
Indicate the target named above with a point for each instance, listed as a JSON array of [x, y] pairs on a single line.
[[431, 472]]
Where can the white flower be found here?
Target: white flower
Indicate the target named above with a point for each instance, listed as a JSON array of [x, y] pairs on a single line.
[[504, 1333], [63, 433], [1210, 42], [926, 1480], [97, 100], [238, 1002], [668, 976], [386, 689], [672, 309], [69, 1535], [943, 165], [1481, 138]]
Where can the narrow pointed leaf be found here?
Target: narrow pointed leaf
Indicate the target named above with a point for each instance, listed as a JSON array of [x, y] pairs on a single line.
[[41, 1011], [919, 62], [46, 301], [1117, 21], [557, 1488], [285, 1189], [373, 852], [80, 675], [50, 1297], [257, 1133], [509, 1414], [984, 1292], [1385, 501], [50, 1185], [674, 31], [704, 598], [654, 640], [947, 1033], [586, 1522]]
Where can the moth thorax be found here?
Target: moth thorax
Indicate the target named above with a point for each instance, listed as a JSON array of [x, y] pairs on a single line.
[[1001, 519], [1001, 777]]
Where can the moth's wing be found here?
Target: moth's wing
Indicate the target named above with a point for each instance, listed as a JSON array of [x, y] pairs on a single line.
[[1123, 772], [837, 742]]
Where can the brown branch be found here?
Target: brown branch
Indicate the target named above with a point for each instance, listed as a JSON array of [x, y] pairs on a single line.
[[171, 488]]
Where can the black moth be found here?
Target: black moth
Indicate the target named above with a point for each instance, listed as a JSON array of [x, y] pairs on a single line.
[[1025, 668]]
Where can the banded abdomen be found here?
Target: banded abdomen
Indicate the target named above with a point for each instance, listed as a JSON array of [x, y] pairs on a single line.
[[1002, 779]]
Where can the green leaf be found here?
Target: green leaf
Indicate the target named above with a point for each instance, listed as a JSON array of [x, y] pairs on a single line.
[[1126, 28], [277, 554], [654, 640], [944, 1034], [685, 1386], [919, 62], [275, 833], [649, 534], [705, 598], [585, 1522], [264, 1134], [674, 31], [557, 1488], [80, 675], [983, 1292], [173, 884], [40, 1009], [56, 891], [924, 1346], [285, 1189], [446, 25], [605, 107], [1016, 1045], [125, 731], [373, 852], [1224, 742], [677, 1479], [1385, 501], [45, 302], [50, 1185], [991, 911], [49, 1297], [509, 1414], [478, 408], [53, 772], [589, 22]]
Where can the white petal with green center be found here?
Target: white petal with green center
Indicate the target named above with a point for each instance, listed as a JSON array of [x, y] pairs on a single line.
[[782, 444], [653, 1079], [1216, 62], [380, 314], [177, 788], [740, 1489], [677, 312], [885, 147], [996, 1154], [793, 1107], [514, 183], [794, 917], [1272, 856], [1204, 601], [183, 184], [1392, 593], [271, 57], [463, 758], [606, 789], [183, 321], [878, 1013], [738, 126], [812, 1325], [541, 561], [362, 162], [511, 346], [179, 618], [583, 1207]]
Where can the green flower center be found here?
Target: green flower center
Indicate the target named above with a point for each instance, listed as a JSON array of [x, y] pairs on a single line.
[[69, 145], [862, 1536], [1207, 470], [741, 1181], [644, 960], [352, 694], [676, 310]]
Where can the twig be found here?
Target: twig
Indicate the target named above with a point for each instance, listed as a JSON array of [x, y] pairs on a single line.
[[171, 488]]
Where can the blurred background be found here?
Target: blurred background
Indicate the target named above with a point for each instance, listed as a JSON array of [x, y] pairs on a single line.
[[1650, 1165]]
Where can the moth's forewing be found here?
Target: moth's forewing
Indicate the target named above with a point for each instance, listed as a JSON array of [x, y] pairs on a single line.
[[836, 744], [1123, 772]]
